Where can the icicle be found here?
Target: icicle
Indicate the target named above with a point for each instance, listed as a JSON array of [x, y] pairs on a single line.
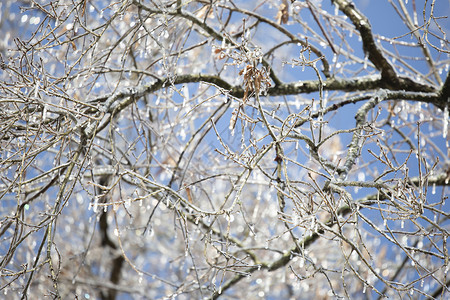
[[94, 205], [301, 262], [405, 240], [36, 89], [445, 127], [44, 113], [247, 33], [334, 58]]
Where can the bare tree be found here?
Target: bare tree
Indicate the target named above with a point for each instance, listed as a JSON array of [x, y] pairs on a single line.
[[224, 149]]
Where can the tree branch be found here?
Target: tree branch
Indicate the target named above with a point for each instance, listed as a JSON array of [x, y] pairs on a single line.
[[374, 54]]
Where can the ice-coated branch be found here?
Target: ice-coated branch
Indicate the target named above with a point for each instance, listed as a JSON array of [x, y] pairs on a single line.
[[355, 146], [373, 52]]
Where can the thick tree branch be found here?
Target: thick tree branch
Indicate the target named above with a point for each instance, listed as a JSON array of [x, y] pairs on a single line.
[[425, 93], [374, 54], [444, 94]]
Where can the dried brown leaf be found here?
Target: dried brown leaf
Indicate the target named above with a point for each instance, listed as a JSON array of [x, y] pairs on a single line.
[[282, 16]]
